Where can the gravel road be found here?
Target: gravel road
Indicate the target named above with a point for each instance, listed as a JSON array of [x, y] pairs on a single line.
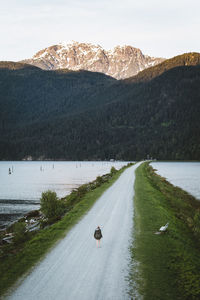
[[75, 268]]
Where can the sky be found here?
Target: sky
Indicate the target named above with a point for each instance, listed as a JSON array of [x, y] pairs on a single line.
[[159, 28]]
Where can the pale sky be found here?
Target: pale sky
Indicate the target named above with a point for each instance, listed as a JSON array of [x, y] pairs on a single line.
[[159, 28]]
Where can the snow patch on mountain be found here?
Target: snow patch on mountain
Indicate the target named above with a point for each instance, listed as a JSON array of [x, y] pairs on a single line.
[[120, 62]]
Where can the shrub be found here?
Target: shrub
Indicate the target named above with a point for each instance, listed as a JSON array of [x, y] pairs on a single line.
[[82, 190], [19, 232], [33, 213], [99, 180], [113, 170], [51, 206]]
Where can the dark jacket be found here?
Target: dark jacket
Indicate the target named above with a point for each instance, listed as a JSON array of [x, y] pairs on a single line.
[[97, 234]]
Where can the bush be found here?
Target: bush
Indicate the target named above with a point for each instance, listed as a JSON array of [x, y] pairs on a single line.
[[51, 206], [99, 180], [19, 232], [33, 214], [82, 190], [113, 171]]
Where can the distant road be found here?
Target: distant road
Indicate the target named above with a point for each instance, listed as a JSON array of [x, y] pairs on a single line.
[[75, 269]]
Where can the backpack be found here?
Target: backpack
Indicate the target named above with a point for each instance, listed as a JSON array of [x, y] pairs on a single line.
[[97, 234]]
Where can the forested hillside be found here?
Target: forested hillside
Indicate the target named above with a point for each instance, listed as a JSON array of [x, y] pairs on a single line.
[[187, 59], [85, 115], [29, 94]]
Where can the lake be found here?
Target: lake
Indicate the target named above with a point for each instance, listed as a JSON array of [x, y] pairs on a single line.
[[185, 175], [21, 190]]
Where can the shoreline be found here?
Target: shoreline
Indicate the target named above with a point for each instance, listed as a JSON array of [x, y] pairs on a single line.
[[29, 179], [169, 262], [16, 260]]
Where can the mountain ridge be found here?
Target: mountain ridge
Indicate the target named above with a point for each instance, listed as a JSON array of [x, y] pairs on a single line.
[[120, 62], [84, 115], [186, 59]]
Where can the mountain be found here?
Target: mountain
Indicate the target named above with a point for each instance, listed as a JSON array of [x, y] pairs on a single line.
[[85, 115], [29, 93], [120, 62], [187, 59]]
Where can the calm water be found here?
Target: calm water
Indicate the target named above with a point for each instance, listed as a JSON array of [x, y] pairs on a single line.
[[185, 175], [21, 190]]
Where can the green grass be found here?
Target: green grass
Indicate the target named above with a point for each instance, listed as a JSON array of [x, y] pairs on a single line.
[[169, 264], [18, 262]]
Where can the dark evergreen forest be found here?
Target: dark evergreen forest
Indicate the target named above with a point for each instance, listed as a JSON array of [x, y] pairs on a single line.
[[86, 116]]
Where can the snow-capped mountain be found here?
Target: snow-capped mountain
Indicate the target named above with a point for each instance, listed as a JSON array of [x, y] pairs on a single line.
[[120, 62]]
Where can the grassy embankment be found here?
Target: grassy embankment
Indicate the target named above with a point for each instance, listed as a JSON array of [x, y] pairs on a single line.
[[16, 260], [169, 264]]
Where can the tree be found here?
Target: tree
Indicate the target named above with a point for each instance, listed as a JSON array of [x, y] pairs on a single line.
[[113, 171], [51, 206]]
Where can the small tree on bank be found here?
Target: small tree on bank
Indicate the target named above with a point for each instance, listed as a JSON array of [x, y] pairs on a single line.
[[113, 171], [51, 206], [99, 180]]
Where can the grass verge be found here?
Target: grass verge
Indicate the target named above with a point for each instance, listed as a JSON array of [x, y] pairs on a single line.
[[16, 263], [169, 264]]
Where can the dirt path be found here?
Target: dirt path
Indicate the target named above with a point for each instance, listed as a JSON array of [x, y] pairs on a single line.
[[75, 269]]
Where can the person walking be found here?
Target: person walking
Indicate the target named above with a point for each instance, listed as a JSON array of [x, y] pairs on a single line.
[[98, 235]]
